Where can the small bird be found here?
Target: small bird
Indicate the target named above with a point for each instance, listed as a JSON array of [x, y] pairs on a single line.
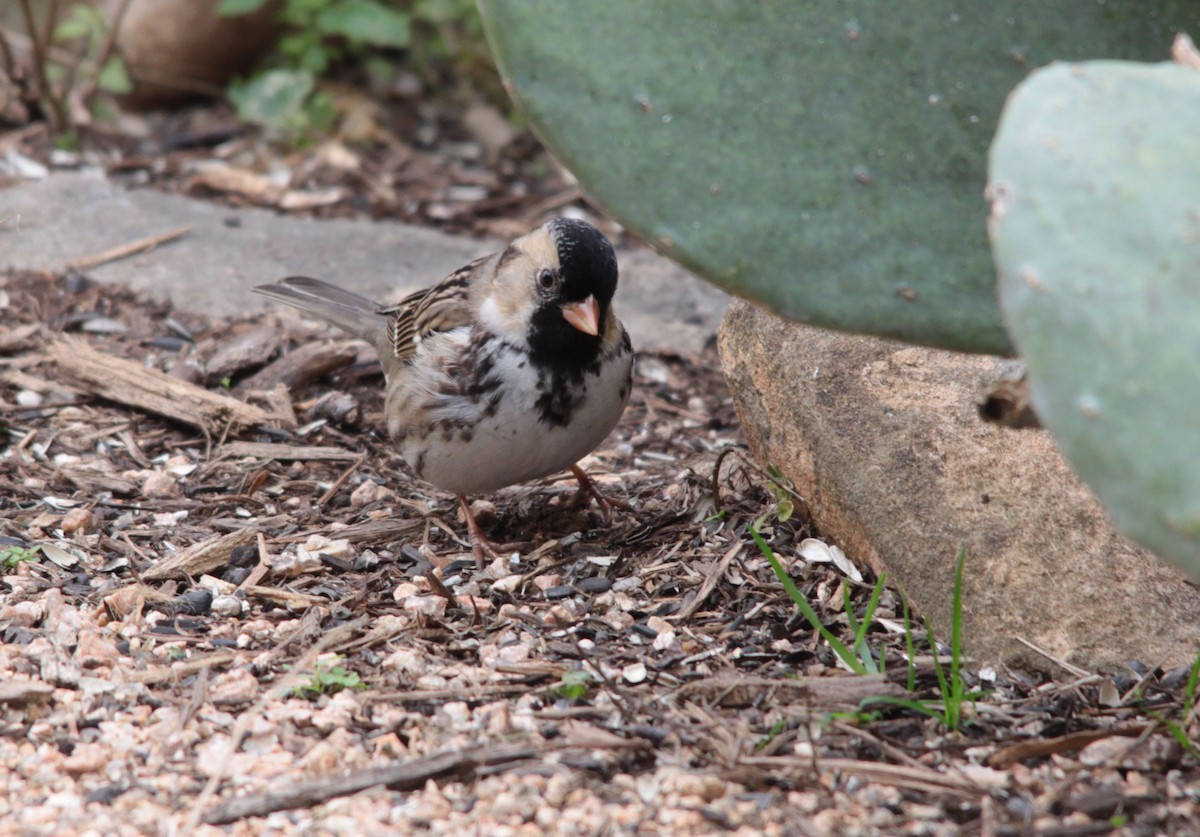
[[511, 368]]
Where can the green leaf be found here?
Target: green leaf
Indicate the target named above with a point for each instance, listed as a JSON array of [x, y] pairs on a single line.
[[365, 22], [232, 8], [274, 99], [574, 685], [82, 20], [826, 158], [114, 77]]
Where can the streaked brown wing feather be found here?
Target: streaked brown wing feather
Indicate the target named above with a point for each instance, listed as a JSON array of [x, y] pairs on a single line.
[[442, 307]]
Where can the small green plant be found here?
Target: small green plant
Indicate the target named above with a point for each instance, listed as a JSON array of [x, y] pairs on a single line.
[[776, 729], [781, 489], [574, 685], [845, 654], [950, 710], [285, 96], [327, 680], [1187, 713], [74, 58], [12, 557]]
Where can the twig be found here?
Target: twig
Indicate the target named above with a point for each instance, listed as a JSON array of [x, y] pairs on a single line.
[[201, 557], [402, 775], [9, 66], [179, 671], [58, 111], [129, 382], [1075, 670], [288, 453], [294, 677], [105, 51], [125, 250], [340, 481], [711, 581], [261, 569]]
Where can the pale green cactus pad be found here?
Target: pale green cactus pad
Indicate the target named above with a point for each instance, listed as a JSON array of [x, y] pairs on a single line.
[[825, 157], [1095, 183]]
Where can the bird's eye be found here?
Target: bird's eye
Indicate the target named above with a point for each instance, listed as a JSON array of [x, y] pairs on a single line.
[[546, 279]]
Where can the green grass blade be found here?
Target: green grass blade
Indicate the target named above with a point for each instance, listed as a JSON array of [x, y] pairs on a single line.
[[804, 607], [909, 645], [924, 707], [1189, 692]]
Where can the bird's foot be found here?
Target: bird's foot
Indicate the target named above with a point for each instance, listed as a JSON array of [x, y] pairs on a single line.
[[588, 490], [483, 548]]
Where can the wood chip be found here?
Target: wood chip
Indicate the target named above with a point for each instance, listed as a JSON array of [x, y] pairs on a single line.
[[129, 382], [202, 557], [236, 352], [91, 481], [300, 367]]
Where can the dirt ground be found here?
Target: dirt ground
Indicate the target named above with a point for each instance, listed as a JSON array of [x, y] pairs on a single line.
[[246, 617]]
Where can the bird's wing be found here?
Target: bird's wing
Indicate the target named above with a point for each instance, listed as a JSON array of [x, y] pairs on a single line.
[[442, 307]]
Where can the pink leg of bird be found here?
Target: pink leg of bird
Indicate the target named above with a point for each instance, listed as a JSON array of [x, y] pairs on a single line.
[[588, 490], [480, 544]]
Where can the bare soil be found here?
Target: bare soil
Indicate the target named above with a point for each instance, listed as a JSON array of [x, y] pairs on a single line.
[[274, 628]]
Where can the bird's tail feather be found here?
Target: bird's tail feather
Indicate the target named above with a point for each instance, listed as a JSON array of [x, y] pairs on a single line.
[[346, 310]]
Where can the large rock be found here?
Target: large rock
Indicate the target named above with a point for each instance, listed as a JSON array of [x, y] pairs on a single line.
[[885, 443], [177, 49]]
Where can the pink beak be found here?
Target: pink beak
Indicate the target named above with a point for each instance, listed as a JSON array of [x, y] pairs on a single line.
[[584, 315]]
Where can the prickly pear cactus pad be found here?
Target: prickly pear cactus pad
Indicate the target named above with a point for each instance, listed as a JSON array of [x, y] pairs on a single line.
[[1095, 224], [824, 157]]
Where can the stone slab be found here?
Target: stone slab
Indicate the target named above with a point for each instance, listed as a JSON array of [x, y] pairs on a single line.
[[69, 215], [884, 442]]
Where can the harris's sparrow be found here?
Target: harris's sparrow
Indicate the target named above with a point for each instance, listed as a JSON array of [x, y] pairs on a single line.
[[512, 368]]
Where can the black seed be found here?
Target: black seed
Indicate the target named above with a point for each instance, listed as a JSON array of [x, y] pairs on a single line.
[[595, 584]]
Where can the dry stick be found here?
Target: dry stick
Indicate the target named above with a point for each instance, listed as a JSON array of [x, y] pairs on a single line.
[[1075, 670], [340, 481], [126, 250], [9, 65], [404, 775], [892, 750], [130, 383], [288, 453], [710, 583], [263, 567], [58, 114], [178, 671]]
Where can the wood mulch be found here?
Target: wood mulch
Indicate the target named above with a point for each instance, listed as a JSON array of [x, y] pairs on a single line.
[[246, 617]]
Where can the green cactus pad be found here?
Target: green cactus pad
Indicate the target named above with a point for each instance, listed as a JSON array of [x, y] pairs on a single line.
[[824, 157], [1095, 185]]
